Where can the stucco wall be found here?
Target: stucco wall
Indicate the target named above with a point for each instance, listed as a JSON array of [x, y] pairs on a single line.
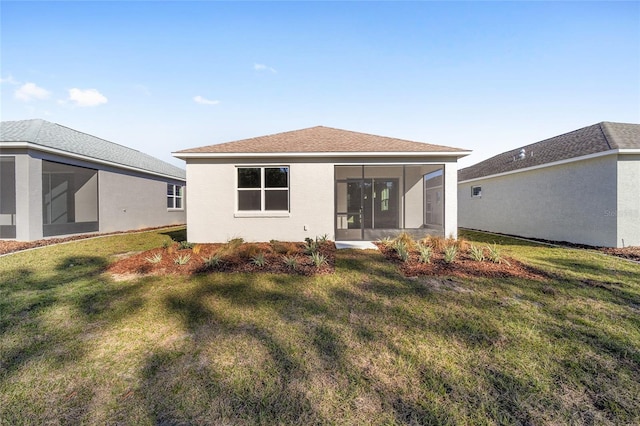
[[212, 215], [130, 202], [628, 211], [567, 202]]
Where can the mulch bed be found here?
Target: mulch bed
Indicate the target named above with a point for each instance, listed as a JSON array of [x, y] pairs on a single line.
[[233, 258], [631, 253], [463, 266]]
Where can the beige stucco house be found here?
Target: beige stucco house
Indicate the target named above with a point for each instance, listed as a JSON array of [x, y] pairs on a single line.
[[582, 187], [320, 181], [57, 181]]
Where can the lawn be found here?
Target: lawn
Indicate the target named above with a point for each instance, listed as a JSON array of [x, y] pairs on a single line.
[[363, 345]]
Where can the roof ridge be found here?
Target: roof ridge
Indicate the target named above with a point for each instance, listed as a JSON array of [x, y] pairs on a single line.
[[35, 127], [606, 131]]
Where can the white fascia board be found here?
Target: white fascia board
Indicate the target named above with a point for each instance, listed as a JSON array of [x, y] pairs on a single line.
[[186, 155], [35, 147], [555, 163]]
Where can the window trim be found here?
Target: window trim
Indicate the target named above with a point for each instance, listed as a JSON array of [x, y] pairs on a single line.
[[263, 189], [175, 197], [473, 192]]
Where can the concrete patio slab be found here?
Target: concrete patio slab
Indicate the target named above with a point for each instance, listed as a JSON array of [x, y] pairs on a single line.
[[358, 245]]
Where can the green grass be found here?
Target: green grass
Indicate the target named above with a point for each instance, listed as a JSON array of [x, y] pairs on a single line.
[[361, 346]]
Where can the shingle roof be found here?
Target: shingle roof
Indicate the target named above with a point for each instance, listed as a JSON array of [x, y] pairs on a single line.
[[51, 135], [593, 139], [320, 139]]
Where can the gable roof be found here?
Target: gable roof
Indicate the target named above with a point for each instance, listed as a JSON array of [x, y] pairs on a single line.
[[52, 136], [601, 137], [319, 140]]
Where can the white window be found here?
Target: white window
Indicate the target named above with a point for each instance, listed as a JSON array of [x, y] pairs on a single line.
[[476, 191], [263, 188], [174, 196]]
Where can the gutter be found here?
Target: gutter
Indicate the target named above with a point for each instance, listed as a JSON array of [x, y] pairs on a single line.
[[36, 147], [624, 151]]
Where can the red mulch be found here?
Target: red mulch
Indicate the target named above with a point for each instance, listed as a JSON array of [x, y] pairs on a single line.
[[238, 259], [463, 266], [632, 253]]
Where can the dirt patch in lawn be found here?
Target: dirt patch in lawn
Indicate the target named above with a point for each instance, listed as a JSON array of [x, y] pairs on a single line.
[[463, 266], [234, 256]]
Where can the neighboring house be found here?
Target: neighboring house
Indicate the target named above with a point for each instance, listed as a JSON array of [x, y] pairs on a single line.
[[582, 187], [317, 181], [58, 181]]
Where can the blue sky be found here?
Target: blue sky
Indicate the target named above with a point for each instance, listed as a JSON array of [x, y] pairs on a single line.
[[165, 76]]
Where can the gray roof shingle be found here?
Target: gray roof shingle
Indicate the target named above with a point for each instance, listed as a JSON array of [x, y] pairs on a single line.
[[599, 137], [320, 139], [52, 135]]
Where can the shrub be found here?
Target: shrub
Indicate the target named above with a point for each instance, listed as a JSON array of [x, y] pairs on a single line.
[[183, 245], [156, 258], [402, 250], [322, 238], [165, 244], [290, 261], [406, 239], [425, 253], [285, 248], [318, 259], [477, 253], [196, 249], [436, 242], [213, 261], [310, 246], [182, 259], [248, 251], [259, 260], [495, 255], [386, 241], [450, 254]]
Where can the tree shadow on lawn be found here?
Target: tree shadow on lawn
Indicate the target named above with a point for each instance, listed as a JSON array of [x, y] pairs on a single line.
[[178, 235], [77, 284]]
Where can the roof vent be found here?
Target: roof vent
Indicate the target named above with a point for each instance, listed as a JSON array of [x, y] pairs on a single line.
[[522, 154]]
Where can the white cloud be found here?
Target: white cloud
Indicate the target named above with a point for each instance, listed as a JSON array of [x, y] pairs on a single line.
[[9, 80], [203, 101], [263, 67], [30, 91], [87, 98]]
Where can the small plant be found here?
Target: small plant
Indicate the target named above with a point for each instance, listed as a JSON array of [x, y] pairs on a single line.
[[182, 259], [386, 241], [402, 251], [425, 253], [322, 238], [155, 258], [259, 260], [196, 249], [495, 255], [406, 239], [318, 259], [290, 261], [165, 244], [184, 245], [450, 254], [477, 253], [438, 243], [213, 261], [310, 246]]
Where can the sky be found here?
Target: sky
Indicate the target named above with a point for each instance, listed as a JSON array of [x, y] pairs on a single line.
[[164, 76]]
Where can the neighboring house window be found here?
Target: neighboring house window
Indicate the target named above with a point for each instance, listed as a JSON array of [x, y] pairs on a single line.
[[263, 188], [476, 191], [174, 196]]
